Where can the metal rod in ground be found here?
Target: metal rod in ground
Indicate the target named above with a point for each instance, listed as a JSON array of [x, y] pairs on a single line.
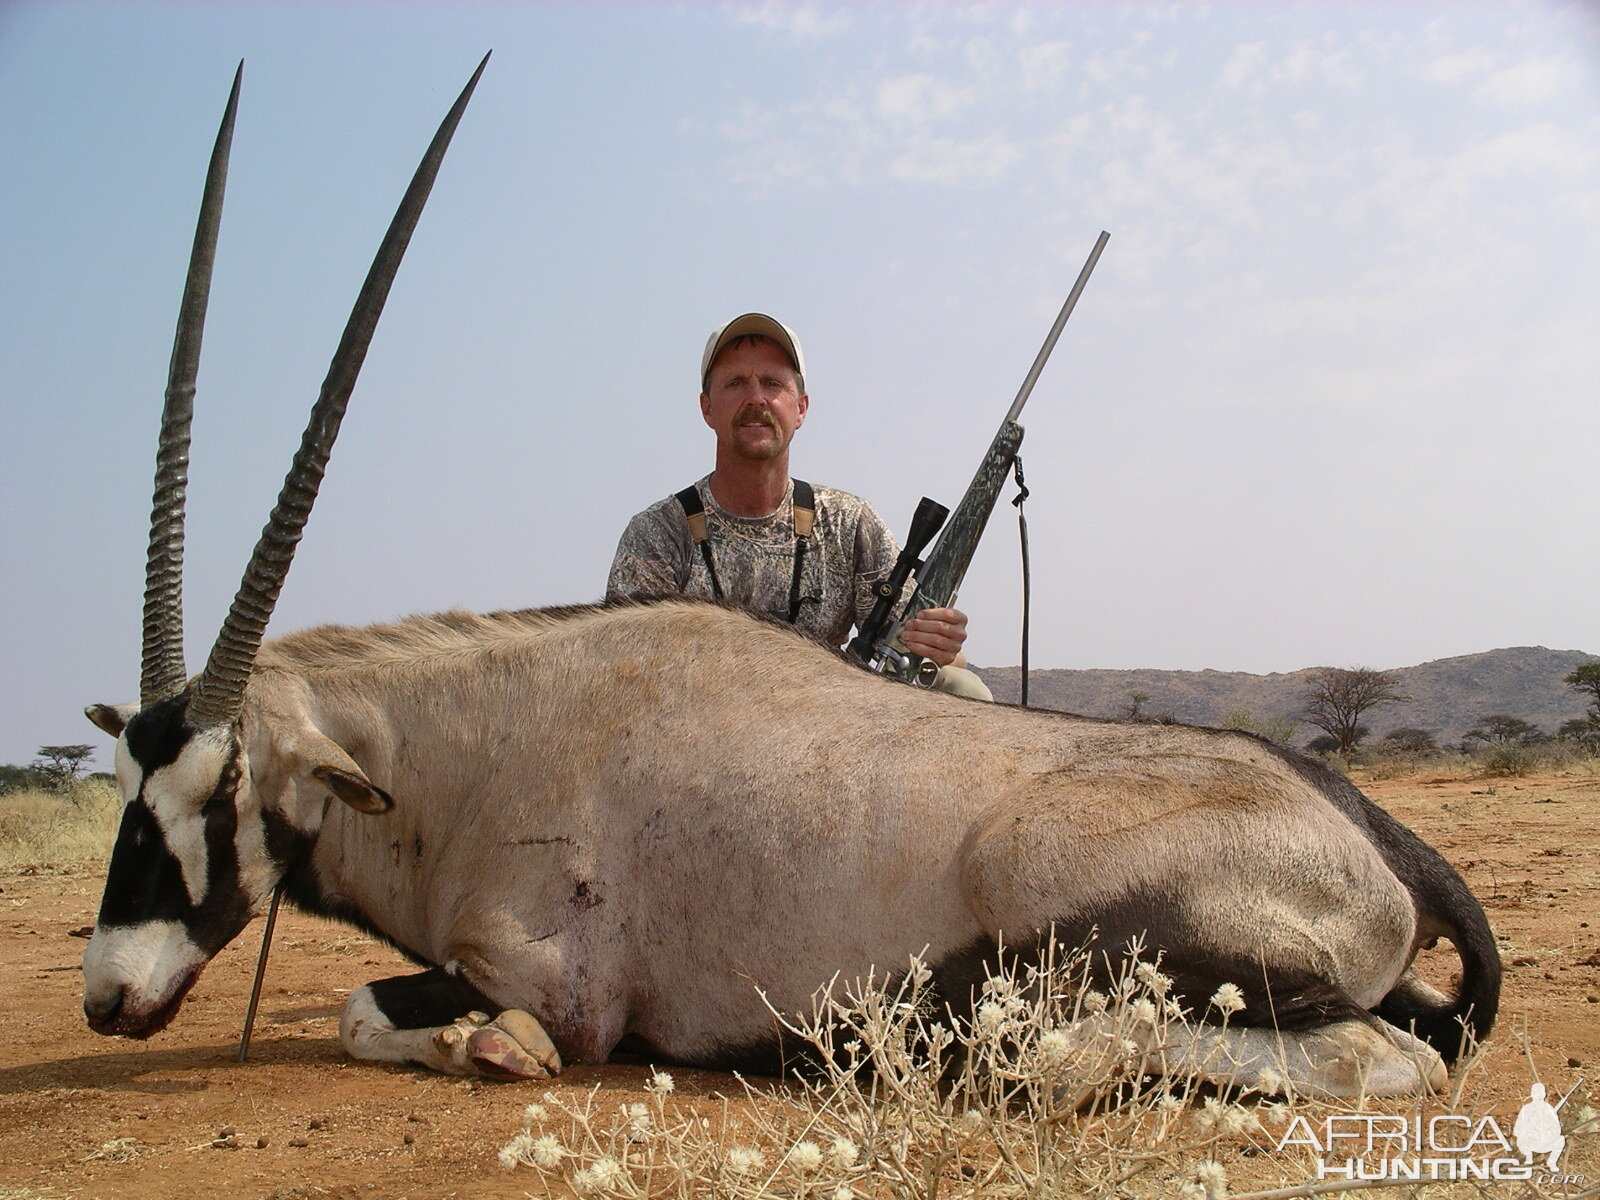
[[261, 971]]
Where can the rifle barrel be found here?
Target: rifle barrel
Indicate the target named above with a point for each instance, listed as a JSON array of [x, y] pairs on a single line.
[[1055, 330]]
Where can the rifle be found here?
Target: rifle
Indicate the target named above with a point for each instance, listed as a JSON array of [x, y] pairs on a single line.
[[939, 577]]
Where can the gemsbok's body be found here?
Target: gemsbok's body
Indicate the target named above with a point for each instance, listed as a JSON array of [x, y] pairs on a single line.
[[601, 823]]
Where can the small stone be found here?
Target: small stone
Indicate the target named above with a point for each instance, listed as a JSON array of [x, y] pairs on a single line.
[[299, 1143], [262, 1143], [317, 1123], [1574, 1062], [226, 1131], [409, 1139]]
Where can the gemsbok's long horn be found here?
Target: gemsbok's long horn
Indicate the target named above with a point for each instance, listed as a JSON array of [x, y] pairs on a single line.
[[219, 691], [161, 672]]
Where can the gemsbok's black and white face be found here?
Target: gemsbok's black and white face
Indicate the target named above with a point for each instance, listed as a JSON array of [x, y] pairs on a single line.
[[197, 854], [188, 870]]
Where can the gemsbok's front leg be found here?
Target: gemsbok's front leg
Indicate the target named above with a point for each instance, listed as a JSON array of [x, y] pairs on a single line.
[[438, 1020]]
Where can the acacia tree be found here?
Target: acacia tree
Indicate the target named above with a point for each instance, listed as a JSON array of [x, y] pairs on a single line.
[[61, 764], [1498, 728], [1336, 698], [1584, 729], [1411, 740], [1586, 679]]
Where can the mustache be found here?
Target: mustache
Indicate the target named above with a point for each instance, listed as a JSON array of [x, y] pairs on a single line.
[[754, 412]]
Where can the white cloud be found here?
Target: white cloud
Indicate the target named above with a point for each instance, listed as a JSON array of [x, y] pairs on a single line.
[[1044, 65], [1530, 81], [1244, 65], [1310, 63], [919, 99], [803, 22], [1251, 67], [1533, 148], [947, 160], [1454, 68], [984, 58], [1130, 61]]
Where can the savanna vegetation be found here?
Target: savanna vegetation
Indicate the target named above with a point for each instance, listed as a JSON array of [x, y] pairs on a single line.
[[54, 810]]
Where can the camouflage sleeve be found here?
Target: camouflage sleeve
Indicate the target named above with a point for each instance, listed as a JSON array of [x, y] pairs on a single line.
[[652, 556]]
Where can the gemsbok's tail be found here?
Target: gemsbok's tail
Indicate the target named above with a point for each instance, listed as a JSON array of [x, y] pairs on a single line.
[[1446, 908]]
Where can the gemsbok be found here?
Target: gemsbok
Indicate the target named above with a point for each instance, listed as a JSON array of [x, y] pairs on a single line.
[[650, 821]]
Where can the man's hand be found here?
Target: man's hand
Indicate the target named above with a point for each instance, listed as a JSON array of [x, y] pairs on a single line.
[[936, 634]]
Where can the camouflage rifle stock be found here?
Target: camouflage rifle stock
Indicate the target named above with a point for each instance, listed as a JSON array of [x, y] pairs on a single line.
[[939, 578]]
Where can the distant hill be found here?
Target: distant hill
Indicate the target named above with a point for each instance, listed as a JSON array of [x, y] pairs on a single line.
[[1450, 694]]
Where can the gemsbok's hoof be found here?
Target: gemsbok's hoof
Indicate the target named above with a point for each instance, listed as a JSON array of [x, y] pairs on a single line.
[[513, 1046]]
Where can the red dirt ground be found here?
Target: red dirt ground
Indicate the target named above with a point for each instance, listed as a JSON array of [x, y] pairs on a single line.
[[304, 1122]]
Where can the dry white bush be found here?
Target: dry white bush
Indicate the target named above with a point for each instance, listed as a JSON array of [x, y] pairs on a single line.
[[1041, 1091]]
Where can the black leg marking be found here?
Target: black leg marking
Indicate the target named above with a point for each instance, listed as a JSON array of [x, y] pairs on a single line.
[[427, 1000]]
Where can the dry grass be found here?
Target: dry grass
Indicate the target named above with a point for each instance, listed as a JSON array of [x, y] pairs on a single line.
[[1508, 760], [1045, 1092], [75, 825]]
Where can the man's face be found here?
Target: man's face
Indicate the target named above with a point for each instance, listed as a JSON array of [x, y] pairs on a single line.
[[752, 401]]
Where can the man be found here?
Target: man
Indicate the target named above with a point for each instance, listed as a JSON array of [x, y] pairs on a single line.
[[750, 534]]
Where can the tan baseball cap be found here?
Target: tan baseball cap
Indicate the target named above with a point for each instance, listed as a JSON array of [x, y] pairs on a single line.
[[757, 323]]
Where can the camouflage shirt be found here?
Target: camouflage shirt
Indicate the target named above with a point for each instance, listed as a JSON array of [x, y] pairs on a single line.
[[850, 550]]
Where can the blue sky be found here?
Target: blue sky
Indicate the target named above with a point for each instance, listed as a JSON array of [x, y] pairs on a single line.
[[1332, 396]]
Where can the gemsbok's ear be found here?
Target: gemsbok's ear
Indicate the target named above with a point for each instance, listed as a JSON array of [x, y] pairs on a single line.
[[320, 758], [111, 718], [354, 788]]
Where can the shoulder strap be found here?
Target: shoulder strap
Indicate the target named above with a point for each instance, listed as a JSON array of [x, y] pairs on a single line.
[[805, 511], [805, 508], [694, 511]]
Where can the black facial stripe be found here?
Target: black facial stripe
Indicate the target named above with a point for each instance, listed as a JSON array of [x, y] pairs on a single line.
[[157, 735], [144, 881], [224, 909]]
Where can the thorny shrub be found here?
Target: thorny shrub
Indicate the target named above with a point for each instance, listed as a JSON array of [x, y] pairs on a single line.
[[1041, 1091]]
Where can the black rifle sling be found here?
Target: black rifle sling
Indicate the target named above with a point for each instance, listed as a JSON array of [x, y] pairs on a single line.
[[805, 508]]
